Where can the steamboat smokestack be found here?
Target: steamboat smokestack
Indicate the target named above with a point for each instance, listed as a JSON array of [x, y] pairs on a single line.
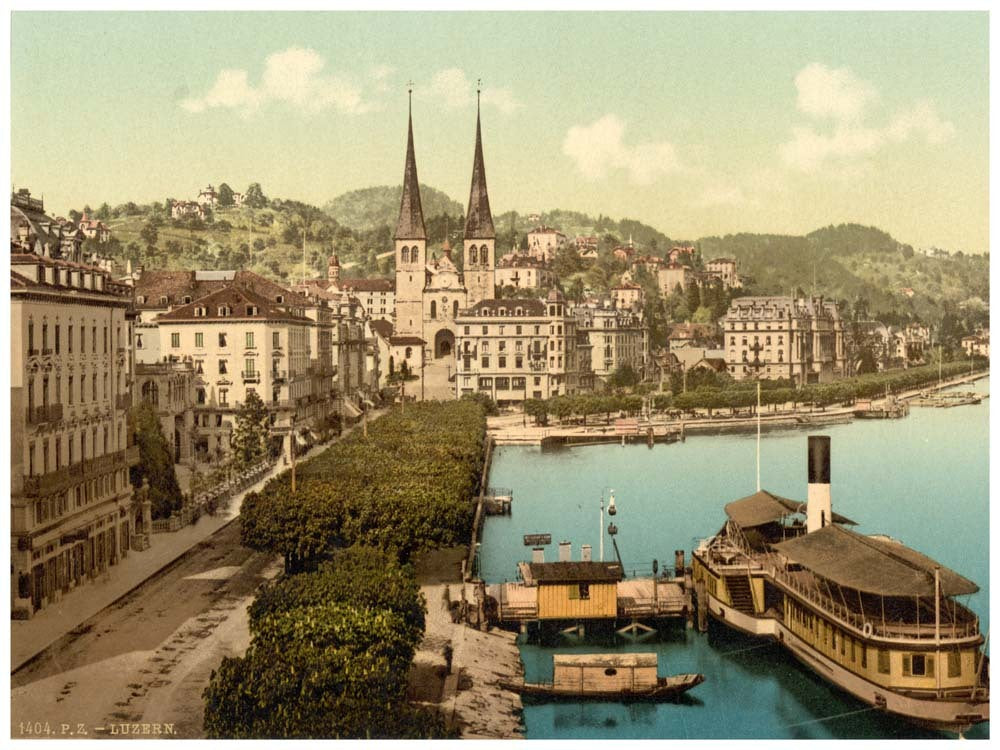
[[818, 508]]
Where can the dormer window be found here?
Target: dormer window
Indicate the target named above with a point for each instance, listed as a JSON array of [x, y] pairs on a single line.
[[187, 299], [163, 300], [224, 311], [251, 310], [280, 298], [141, 299], [200, 311]]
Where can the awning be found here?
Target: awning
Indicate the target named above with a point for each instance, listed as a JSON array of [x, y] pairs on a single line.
[[877, 566], [762, 507], [301, 441], [350, 409]]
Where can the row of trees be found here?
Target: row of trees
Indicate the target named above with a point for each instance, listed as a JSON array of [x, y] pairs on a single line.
[[404, 487], [743, 394], [329, 657]]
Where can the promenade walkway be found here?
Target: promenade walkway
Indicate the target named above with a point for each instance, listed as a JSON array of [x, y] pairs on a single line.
[[28, 638], [516, 429]]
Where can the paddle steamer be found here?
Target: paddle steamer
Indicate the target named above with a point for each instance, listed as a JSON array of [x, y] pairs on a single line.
[[874, 617]]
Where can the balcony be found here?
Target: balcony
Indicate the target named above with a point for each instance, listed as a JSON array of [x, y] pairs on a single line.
[[279, 376], [44, 414], [56, 481], [251, 377]]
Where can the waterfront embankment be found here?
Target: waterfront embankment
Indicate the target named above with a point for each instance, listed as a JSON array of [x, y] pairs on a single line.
[[516, 430], [466, 690]]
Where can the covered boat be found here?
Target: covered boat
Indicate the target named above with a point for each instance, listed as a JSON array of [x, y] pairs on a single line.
[[617, 677]]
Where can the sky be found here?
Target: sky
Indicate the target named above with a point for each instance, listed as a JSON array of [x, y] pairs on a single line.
[[696, 123]]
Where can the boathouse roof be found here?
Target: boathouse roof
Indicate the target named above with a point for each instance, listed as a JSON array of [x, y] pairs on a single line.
[[762, 507], [604, 660], [875, 565], [576, 572]]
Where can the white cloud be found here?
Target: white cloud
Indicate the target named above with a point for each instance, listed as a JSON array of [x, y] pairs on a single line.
[[294, 76], [380, 74], [838, 95], [833, 92], [924, 120], [600, 147], [453, 89]]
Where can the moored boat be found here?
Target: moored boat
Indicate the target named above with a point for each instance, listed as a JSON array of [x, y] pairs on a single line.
[[614, 677], [875, 618]]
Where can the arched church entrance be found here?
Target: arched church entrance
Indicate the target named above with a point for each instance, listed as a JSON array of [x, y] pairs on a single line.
[[444, 343]]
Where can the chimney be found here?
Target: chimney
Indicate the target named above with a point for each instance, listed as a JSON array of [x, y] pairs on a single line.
[[585, 553], [565, 551], [818, 508], [538, 555]]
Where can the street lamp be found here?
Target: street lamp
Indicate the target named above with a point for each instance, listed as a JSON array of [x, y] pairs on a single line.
[[612, 510]]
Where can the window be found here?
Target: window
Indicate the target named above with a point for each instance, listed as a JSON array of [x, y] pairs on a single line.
[[57, 338], [248, 366], [503, 384], [434, 308], [485, 382], [486, 330], [31, 335], [250, 344], [466, 330], [199, 340], [222, 341], [518, 361], [276, 340], [501, 361], [584, 590], [883, 661], [224, 396], [486, 360], [223, 311], [175, 340], [69, 339], [517, 383], [83, 388], [69, 389], [105, 339], [223, 368], [954, 664], [93, 340], [918, 665]]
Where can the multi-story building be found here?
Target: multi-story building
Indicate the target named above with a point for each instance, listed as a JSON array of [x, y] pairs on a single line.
[[673, 275], [544, 242], [801, 339], [627, 296], [169, 387], [95, 229], [679, 251], [724, 269], [72, 508], [377, 296], [619, 338], [241, 341], [978, 344], [523, 272], [516, 349]]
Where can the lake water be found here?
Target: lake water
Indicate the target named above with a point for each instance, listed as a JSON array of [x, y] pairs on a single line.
[[923, 480]]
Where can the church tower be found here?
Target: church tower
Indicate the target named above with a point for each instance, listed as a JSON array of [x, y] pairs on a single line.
[[411, 246], [480, 237]]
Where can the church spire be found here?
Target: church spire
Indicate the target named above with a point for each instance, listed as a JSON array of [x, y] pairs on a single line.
[[411, 216], [478, 219]]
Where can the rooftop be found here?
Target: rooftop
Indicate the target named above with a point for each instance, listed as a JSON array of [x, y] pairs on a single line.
[[576, 572]]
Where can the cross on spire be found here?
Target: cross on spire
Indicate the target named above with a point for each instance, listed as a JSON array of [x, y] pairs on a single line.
[[479, 90], [409, 93]]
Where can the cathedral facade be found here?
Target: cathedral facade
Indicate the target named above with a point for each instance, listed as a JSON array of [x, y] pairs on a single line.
[[431, 292]]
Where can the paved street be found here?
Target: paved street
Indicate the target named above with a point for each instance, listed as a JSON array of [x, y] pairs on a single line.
[[147, 658]]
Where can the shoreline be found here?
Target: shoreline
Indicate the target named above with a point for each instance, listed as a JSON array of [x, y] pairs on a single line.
[[591, 434]]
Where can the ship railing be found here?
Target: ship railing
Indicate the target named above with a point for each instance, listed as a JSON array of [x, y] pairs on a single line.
[[895, 630]]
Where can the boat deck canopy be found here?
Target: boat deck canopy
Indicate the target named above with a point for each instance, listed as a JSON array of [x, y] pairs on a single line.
[[604, 660], [576, 572], [876, 566], [762, 508]]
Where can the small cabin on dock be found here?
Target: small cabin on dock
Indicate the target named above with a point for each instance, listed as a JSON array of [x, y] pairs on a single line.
[[576, 590], [595, 673]]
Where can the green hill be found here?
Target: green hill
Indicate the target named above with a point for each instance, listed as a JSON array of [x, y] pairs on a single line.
[[850, 261], [374, 207]]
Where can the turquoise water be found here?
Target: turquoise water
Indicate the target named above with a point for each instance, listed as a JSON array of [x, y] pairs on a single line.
[[923, 480]]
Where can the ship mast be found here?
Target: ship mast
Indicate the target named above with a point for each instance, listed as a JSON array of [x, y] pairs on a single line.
[[758, 436]]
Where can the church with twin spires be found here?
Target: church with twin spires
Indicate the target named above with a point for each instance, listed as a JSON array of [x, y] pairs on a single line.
[[430, 291]]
